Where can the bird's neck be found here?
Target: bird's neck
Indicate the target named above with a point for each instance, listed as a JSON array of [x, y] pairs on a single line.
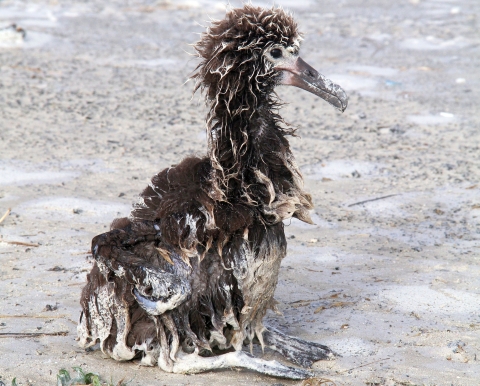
[[253, 161]]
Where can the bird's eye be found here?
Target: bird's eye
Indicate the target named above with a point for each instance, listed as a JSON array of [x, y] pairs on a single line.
[[276, 53]]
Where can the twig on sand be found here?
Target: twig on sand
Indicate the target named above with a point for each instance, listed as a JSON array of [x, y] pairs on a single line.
[[318, 382], [20, 243], [372, 199], [34, 316], [64, 317], [23, 243], [5, 215], [366, 364], [31, 334], [82, 253]]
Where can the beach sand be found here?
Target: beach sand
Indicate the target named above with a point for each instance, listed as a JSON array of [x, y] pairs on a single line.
[[93, 102]]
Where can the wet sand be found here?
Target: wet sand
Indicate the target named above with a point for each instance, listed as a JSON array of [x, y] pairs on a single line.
[[93, 103]]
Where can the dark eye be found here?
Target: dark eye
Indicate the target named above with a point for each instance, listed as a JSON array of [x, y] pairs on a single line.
[[276, 53]]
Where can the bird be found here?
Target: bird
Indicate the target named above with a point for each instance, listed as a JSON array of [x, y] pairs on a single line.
[[185, 281]]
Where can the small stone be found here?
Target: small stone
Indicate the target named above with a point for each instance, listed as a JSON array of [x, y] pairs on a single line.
[[397, 129], [49, 307]]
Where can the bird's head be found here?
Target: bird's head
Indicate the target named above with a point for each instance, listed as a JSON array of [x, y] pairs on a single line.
[[249, 52]]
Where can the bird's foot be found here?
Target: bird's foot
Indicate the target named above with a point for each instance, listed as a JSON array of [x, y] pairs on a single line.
[[298, 351], [194, 363]]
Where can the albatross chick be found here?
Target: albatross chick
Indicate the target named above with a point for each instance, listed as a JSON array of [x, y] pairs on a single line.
[[185, 281]]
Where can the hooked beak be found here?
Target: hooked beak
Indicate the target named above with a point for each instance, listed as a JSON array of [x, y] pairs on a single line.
[[300, 74]]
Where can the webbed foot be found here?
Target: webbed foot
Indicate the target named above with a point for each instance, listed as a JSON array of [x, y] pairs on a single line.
[[296, 350], [193, 363]]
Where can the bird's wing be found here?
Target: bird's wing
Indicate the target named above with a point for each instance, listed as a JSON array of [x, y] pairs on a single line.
[[130, 255], [178, 217], [188, 209], [180, 201], [146, 257]]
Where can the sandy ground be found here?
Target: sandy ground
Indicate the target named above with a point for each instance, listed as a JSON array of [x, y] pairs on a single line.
[[93, 103]]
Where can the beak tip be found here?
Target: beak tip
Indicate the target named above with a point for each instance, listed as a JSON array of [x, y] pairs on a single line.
[[343, 105], [344, 101]]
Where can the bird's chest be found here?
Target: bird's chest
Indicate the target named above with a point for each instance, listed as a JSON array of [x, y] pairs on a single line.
[[257, 266]]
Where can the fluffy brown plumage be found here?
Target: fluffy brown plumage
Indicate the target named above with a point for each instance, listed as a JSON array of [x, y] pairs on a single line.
[[195, 266]]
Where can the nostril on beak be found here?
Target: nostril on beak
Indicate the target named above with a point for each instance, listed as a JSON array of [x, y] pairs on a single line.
[[310, 74]]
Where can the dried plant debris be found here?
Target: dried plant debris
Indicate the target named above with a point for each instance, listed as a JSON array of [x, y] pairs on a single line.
[[22, 243], [31, 334], [5, 215], [318, 382], [332, 305]]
